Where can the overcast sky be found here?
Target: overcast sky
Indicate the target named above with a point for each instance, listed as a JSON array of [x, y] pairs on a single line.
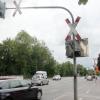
[[50, 26]]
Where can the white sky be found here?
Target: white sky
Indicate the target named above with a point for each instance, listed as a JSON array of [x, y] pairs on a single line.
[[50, 26]]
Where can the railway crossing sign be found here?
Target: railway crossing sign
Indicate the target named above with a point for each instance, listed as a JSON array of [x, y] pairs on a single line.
[[17, 7], [80, 45], [72, 31]]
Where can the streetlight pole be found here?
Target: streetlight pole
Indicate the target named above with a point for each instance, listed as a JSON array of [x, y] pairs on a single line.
[[74, 58], [47, 7]]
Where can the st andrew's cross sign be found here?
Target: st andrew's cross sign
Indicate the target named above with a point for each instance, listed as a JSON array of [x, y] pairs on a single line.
[[72, 31], [17, 7]]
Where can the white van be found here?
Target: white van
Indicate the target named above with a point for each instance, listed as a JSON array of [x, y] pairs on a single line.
[[40, 78], [43, 73]]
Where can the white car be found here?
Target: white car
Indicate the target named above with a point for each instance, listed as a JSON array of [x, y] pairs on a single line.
[[39, 80], [57, 77], [89, 78]]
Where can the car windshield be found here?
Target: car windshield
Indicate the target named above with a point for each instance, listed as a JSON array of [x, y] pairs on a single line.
[[14, 84], [56, 75], [36, 76], [25, 82], [4, 85]]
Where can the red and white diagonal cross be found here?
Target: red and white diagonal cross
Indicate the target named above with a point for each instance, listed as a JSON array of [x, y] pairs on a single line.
[[72, 29], [17, 7]]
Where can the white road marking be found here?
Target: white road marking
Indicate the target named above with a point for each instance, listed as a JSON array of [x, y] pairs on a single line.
[[91, 96], [59, 98], [80, 98], [62, 96], [87, 91]]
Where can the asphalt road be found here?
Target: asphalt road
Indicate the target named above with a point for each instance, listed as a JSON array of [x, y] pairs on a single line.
[[63, 89]]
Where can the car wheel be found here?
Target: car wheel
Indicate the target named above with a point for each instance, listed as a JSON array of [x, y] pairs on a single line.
[[39, 95]]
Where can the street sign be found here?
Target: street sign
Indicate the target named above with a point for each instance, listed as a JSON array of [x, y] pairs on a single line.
[[81, 48], [17, 7], [72, 31], [79, 45]]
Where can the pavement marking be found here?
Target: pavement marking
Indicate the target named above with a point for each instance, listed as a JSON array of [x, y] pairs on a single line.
[[80, 98], [81, 88], [62, 96], [91, 96], [59, 98], [87, 91]]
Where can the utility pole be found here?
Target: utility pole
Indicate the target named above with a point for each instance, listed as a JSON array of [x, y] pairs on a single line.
[[75, 71]]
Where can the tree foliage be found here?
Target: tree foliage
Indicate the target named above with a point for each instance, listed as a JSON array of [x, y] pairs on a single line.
[[24, 55], [81, 70], [82, 2]]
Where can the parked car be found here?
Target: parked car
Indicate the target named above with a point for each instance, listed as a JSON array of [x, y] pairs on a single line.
[[19, 90], [39, 80], [56, 77], [89, 78]]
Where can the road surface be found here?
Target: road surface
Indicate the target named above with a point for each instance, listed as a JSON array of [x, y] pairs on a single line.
[[63, 89]]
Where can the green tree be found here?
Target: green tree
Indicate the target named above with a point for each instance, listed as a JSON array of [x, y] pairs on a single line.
[[66, 69], [81, 70], [82, 2], [42, 58], [24, 38], [57, 69], [7, 57], [24, 55]]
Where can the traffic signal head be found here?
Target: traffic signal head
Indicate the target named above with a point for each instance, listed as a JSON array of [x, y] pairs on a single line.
[[2, 10]]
